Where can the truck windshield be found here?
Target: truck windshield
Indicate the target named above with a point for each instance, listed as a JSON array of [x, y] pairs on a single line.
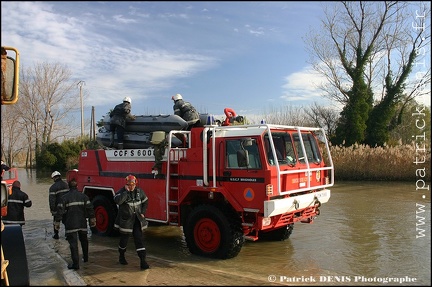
[[283, 146], [310, 144]]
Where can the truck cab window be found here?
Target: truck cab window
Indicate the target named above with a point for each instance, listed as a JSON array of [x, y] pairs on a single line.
[[283, 147], [311, 148], [242, 154]]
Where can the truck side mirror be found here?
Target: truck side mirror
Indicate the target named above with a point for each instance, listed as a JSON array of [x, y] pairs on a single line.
[[243, 158], [9, 75]]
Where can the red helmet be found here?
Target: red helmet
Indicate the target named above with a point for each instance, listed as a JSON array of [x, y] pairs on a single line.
[[131, 179]]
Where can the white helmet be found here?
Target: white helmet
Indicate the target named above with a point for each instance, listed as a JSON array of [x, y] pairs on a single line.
[[177, 97], [54, 174], [127, 99]]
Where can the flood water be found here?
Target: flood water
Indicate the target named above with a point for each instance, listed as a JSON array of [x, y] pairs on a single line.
[[369, 233]]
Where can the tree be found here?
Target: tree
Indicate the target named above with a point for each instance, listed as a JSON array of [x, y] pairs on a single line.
[[367, 51], [11, 136], [287, 115], [46, 100], [411, 124], [324, 117]]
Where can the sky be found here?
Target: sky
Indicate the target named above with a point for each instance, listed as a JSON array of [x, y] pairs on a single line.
[[248, 56]]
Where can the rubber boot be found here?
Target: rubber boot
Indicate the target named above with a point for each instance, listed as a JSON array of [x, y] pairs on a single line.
[[85, 252], [143, 263], [75, 258], [112, 140], [120, 146], [56, 234], [122, 258]]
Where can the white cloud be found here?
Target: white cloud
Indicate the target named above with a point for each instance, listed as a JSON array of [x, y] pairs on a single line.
[[303, 85], [122, 19]]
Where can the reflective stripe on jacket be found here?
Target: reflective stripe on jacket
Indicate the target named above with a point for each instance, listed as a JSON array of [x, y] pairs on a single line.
[[15, 209], [56, 191], [74, 208]]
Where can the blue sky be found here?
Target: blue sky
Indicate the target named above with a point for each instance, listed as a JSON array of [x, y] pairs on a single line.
[[249, 56]]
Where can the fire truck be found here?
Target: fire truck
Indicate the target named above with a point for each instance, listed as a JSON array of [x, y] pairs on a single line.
[[14, 267], [223, 184]]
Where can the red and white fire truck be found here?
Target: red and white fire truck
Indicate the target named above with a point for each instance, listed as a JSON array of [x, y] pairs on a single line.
[[225, 183]]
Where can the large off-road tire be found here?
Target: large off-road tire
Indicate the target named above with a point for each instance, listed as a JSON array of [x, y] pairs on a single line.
[[209, 232], [13, 245], [280, 234], [105, 213]]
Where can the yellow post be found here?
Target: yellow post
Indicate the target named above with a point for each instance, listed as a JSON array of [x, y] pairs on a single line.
[[4, 265]]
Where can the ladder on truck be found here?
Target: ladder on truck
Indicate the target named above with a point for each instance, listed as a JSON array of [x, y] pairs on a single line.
[[172, 182]]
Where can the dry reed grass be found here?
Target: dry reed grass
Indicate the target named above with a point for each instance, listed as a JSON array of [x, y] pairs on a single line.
[[389, 163]]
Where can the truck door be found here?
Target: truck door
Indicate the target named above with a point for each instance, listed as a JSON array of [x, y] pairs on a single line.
[[243, 173]]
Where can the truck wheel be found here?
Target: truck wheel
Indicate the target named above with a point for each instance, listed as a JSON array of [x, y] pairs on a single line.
[[105, 213], [279, 234], [209, 233], [13, 246]]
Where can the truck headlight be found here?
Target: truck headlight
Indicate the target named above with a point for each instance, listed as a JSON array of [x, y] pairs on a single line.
[[266, 221]]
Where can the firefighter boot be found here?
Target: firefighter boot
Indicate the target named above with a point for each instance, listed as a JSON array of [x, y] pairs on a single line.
[[122, 258], [85, 252], [56, 234], [143, 263], [75, 258], [112, 140]]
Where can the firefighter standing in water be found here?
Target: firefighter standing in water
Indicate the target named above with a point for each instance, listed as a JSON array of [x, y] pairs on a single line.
[[132, 202]]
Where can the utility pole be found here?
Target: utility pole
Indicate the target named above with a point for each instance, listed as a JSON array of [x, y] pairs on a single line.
[[80, 83], [93, 125]]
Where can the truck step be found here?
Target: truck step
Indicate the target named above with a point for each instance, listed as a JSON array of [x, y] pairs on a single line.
[[251, 238]]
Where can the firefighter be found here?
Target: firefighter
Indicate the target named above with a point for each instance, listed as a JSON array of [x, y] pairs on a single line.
[[118, 117], [159, 151], [56, 191], [16, 203], [160, 142], [73, 209], [186, 111], [132, 202], [4, 167]]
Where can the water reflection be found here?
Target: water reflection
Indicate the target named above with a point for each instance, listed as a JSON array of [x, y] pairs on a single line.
[[366, 229]]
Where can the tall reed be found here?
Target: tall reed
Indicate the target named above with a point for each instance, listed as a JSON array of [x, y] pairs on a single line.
[[388, 163]]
